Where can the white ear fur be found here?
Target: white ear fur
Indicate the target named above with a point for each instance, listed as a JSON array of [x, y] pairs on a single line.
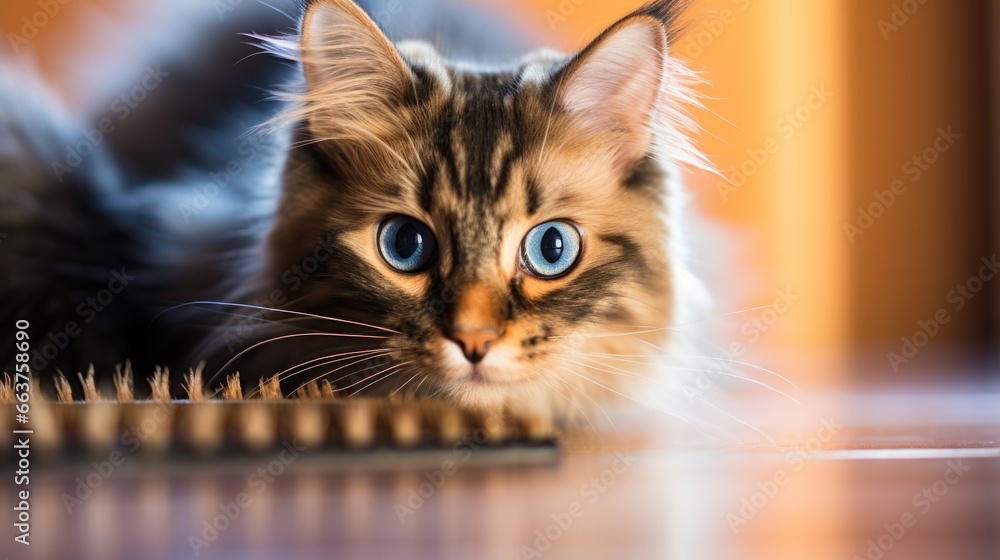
[[614, 85]]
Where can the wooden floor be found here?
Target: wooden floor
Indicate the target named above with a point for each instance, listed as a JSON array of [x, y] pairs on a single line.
[[880, 476]]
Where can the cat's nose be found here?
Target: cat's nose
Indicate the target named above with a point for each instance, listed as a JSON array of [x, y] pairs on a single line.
[[475, 342]]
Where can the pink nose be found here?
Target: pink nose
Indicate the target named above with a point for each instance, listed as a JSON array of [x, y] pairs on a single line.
[[474, 343]]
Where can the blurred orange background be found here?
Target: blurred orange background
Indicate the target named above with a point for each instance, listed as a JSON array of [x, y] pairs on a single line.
[[815, 110], [856, 137]]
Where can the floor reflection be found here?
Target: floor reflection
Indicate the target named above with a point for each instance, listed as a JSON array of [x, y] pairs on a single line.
[[873, 490]]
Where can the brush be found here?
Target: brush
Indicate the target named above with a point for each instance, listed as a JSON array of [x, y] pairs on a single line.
[[224, 423]]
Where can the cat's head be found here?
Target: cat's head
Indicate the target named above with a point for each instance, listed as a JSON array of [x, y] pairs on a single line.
[[507, 227]]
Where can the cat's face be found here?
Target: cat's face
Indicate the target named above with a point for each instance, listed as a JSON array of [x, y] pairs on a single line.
[[501, 225]]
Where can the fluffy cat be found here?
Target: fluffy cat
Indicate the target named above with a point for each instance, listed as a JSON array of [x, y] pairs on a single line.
[[501, 236]]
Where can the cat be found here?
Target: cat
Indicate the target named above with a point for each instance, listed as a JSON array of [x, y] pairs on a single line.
[[498, 235]]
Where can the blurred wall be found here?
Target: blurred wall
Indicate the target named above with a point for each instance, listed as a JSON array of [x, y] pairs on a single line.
[[921, 106], [994, 66]]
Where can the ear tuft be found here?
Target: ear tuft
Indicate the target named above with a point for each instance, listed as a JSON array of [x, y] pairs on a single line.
[[668, 12]]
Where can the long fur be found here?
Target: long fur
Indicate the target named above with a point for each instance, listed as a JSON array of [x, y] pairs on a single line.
[[479, 153]]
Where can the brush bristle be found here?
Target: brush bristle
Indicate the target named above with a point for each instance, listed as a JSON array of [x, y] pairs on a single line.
[[160, 383], [233, 390], [123, 383], [7, 389], [90, 390], [193, 385], [316, 418], [270, 390], [64, 393]]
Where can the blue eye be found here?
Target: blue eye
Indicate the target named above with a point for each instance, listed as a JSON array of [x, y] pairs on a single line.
[[406, 244], [551, 249]]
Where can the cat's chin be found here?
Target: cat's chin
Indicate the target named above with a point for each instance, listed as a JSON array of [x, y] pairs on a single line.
[[479, 391]]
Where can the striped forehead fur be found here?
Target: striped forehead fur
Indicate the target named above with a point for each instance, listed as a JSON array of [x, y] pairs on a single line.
[[672, 126]]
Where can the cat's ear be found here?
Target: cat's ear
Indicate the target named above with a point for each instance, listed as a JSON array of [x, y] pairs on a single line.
[[612, 87], [354, 74]]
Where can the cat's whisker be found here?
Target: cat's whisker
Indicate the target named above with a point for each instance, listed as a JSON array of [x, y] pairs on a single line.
[[416, 390], [441, 388], [278, 322], [291, 19], [275, 310], [334, 358], [588, 397], [708, 344], [616, 371], [722, 351], [398, 389], [367, 378], [667, 383], [605, 387], [568, 399], [742, 363], [727, 314], [620, 372], [285, 337], [531, 394], [330, 362], [741, 421], [681, 418], [710, 358], [378, 377], [658, 329], [348, 374]]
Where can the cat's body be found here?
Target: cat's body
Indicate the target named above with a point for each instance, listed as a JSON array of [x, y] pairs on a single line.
[[501, 235]]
